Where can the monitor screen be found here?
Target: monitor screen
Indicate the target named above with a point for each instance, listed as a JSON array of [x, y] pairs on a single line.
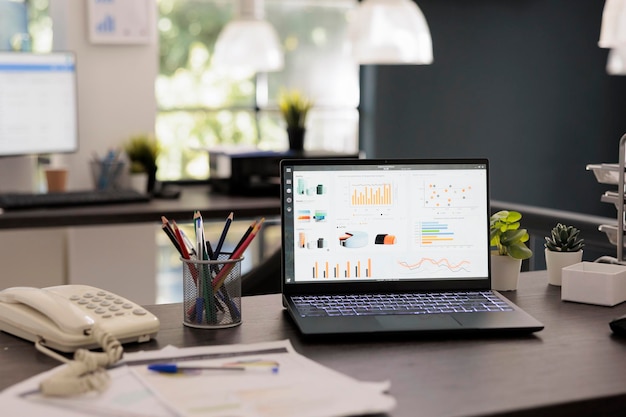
[[38, 103]]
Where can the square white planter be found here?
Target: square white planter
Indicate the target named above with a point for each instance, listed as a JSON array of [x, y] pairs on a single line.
[[594, 283]]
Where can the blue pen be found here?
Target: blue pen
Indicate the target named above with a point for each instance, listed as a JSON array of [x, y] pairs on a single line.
[[172, 368]]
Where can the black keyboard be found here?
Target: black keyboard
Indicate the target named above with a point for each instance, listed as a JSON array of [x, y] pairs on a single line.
[[414, 303], [20, 201]]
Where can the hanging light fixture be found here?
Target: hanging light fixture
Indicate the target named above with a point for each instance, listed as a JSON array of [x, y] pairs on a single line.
[[249, 43], [613, 35], [390, 32], [616, 61]]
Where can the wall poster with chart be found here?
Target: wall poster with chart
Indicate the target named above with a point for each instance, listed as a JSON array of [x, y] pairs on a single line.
[[121, 21]]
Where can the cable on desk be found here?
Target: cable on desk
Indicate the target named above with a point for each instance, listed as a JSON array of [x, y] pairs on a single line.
[[86, 372]]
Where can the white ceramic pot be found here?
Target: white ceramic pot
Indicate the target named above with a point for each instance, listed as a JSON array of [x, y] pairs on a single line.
[[556, 261], [504, 272], [139, 182]]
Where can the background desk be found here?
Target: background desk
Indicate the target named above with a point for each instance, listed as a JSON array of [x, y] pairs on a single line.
[[574, 367], [199, 197], [108, 245]]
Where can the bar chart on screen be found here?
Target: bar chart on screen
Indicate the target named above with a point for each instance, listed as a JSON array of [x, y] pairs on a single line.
[[371, 194], [341, 269]]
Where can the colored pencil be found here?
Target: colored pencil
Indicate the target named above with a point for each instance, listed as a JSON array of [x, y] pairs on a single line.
[[245, 235], [167, 228], [219, 278], [220, 242]]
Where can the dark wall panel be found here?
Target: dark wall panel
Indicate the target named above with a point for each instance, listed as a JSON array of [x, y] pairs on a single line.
[[521, 82]]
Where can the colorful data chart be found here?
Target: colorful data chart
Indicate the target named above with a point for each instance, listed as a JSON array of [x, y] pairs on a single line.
[[434, 233], [347, 269], [432, 264], [353, 239], [304, 216], [385, 239], [371, 195], [448, 195], [314, 243]]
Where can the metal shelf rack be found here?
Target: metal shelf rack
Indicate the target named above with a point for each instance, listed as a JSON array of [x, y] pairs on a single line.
[[614, 174]]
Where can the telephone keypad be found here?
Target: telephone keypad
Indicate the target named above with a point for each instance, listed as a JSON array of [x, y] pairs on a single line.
[[106, 304]]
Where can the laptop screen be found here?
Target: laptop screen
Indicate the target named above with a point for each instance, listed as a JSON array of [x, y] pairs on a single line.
[[385, 221]]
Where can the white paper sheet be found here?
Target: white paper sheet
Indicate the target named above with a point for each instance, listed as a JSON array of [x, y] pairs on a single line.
[[301, 387]]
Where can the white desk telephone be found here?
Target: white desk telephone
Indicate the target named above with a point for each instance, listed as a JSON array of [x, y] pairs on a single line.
[[73, 318], [62, 317]]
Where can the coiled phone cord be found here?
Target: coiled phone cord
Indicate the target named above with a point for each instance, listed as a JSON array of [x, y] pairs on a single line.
[[86, 372]]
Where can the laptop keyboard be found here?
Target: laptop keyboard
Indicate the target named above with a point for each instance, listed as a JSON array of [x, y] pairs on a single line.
[[405, 303]]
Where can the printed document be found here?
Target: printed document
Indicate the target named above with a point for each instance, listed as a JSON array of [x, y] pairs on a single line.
[[269, 380]]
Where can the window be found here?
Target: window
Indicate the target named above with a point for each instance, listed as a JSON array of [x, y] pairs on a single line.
[[201, 107], [25, 25]]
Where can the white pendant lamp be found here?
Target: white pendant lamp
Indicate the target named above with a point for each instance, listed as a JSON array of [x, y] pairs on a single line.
[[249, 43], [390, 32], [616, 62], [613, 35]]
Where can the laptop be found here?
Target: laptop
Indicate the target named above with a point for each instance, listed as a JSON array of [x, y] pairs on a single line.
[[390, 246]]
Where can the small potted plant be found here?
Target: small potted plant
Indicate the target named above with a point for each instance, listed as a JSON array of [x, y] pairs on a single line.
[[509, 243], [142, 151], [564, 247], [294, 107]]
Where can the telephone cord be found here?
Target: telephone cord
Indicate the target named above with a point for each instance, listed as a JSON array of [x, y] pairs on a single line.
[[86, 372]]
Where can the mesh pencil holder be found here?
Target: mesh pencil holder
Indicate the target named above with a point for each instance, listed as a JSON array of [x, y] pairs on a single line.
[[212, 293], [107, 174]]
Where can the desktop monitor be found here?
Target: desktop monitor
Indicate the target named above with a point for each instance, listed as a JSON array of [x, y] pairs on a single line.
[[38, 103]]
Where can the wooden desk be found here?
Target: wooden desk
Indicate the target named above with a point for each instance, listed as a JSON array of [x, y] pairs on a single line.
[[574, 367], [197, 197]]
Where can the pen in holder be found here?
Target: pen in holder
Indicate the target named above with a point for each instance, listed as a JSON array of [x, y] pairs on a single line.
[[106, 174], [212, 292]]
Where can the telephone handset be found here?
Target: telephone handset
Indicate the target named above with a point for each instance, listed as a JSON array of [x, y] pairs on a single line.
[[63, 317]]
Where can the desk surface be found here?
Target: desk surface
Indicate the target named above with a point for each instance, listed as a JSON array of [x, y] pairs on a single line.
[[574, 367], [197, 197]]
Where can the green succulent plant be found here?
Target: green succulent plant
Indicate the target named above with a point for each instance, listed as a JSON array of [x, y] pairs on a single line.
[[564, 239], [507, 237], [142, 150]]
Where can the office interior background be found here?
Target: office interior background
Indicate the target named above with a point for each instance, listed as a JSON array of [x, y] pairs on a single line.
[[521, 82]]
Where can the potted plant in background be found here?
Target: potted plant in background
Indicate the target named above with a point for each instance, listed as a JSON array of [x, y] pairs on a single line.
[[564, 247], [142, 151], [294, 107], [509, 243]]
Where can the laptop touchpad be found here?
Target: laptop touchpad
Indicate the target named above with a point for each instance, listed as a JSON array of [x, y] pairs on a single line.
[[418, 322]]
